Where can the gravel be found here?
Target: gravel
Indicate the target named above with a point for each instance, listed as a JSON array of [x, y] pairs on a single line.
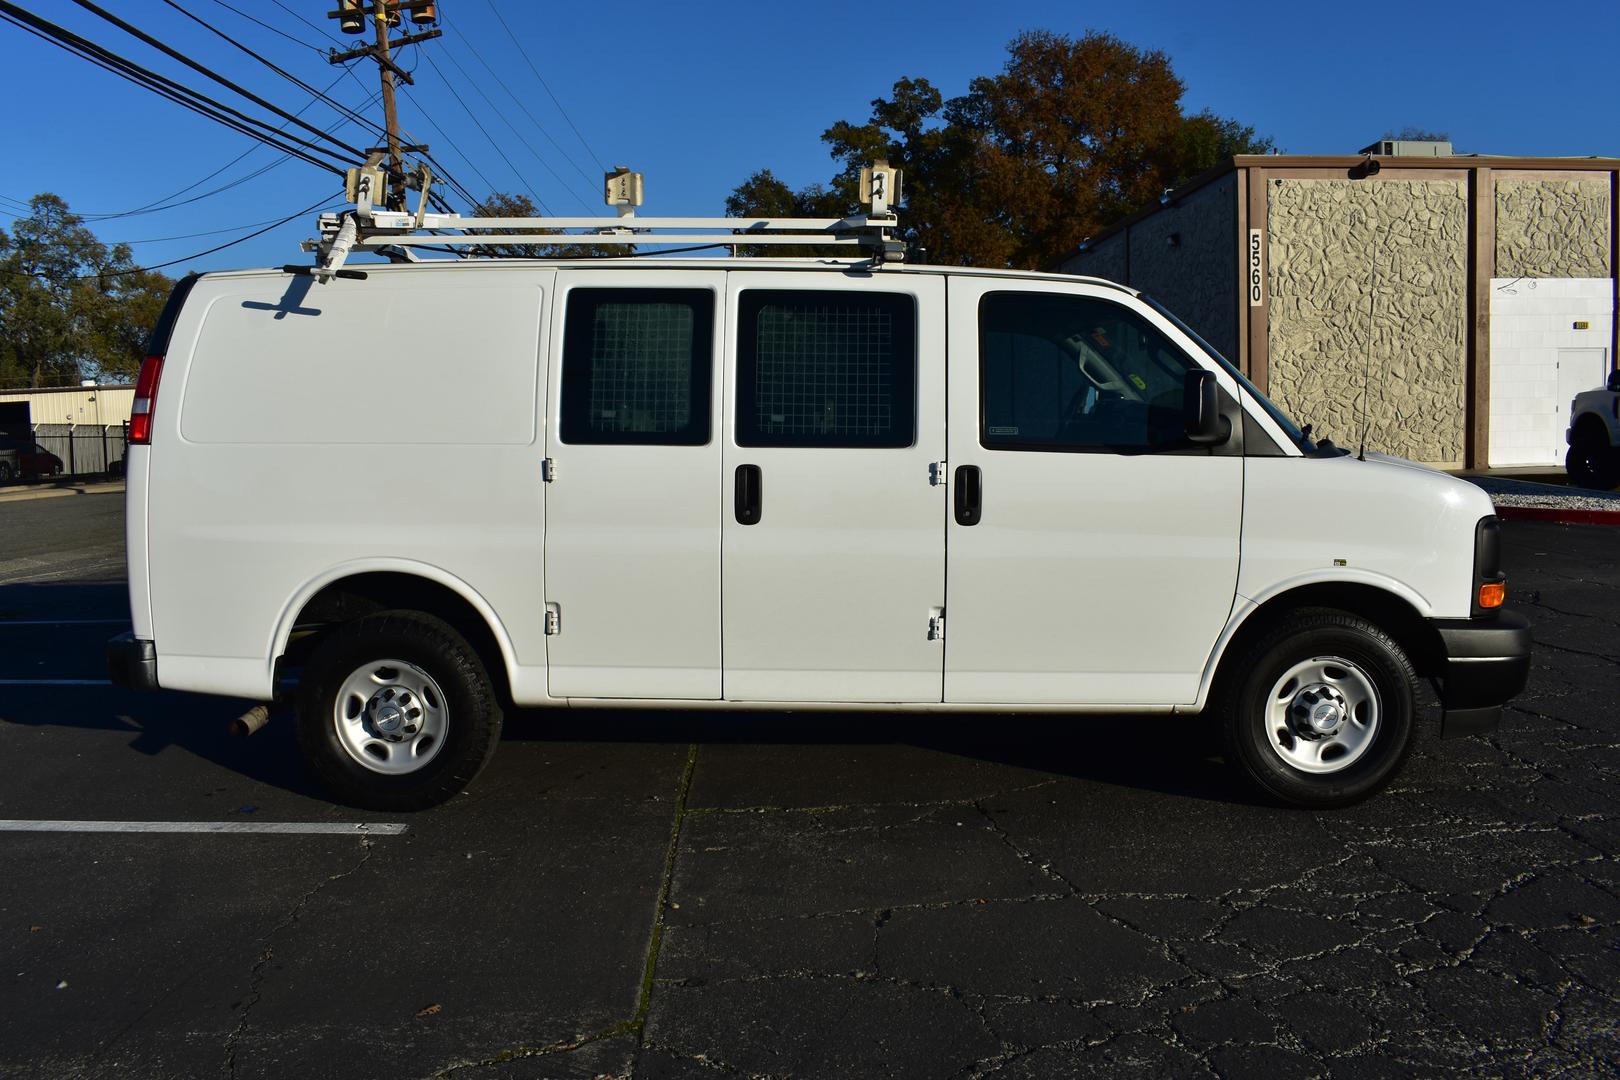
[[1506, 492]]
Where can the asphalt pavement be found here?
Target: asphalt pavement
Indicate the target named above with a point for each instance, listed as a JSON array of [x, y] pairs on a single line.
[[664, 895]]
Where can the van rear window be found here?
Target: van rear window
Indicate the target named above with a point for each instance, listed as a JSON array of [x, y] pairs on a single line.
[[636, 366], [826, 369]]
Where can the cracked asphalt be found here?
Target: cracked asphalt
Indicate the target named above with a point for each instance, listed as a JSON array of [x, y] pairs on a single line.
[[670, 896]]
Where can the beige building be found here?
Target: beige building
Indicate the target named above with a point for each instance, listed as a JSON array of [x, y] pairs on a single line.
[[78, 405], [1450, 306]]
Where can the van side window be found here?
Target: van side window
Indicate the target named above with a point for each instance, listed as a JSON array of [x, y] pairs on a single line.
[[826, 369], [1077, 373], [636, 366]]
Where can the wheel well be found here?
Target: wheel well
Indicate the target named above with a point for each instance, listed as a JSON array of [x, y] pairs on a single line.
[[1393, 614], [1591, 426], [354, 597]]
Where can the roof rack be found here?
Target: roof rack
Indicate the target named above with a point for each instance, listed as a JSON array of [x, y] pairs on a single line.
[[368, 227]]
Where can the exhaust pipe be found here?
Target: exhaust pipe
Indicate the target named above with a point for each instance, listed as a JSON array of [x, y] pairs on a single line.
[[251, 721]]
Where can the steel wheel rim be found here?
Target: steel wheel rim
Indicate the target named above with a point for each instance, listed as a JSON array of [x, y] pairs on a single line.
[[390, 716], [1322, 715]]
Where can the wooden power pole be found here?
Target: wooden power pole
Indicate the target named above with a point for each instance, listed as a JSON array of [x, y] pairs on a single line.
[[352, 16]]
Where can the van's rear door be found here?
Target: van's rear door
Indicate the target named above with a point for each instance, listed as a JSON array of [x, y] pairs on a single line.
[[632, 550]]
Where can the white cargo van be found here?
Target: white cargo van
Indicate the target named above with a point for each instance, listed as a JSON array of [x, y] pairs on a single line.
[[408, 496]]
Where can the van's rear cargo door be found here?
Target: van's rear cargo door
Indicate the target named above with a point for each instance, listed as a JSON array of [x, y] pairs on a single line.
[[632, 554]]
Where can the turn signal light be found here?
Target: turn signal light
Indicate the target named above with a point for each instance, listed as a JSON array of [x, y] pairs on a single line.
[[1492, 594]]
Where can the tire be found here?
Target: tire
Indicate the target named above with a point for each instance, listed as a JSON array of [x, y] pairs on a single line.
[[1330, 665], [414, 675], [1592, 462]]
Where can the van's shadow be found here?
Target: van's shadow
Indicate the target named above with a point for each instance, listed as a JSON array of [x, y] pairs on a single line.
[[1170, 754]]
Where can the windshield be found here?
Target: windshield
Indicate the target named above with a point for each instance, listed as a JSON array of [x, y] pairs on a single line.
[[1291, 429]]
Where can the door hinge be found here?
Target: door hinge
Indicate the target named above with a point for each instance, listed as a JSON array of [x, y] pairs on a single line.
[[936, 624], [548, 470], [553, 619], [936, 473]]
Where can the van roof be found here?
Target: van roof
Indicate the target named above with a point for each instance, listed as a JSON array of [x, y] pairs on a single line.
[[722, 263]]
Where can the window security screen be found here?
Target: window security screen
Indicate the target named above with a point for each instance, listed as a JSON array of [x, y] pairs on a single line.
[[826, 369], [636, 366]]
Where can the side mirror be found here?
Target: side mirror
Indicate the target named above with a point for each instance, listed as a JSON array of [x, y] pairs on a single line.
[[1202, 406], [1614, 381]]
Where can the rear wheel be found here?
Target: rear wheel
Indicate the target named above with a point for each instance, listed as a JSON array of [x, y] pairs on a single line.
[[396, 712], [1321, 710]]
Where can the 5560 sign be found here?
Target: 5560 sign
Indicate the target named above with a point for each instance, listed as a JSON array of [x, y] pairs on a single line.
[[1257, 286]]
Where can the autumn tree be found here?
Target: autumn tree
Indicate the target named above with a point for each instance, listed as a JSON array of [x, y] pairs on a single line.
[[70, 306], [1071, 135]]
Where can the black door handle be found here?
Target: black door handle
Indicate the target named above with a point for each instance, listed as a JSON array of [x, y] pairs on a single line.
[[969, 495], [749, 494]]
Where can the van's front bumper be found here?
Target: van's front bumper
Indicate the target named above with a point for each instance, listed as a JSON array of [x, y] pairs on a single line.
[[132, 662], [1485, 663]]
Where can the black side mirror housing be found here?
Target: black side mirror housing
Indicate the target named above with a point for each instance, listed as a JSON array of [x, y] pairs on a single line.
[[1614, 381], [1202, 405]]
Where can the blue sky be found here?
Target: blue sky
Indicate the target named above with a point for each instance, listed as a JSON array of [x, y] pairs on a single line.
[[699, 95]]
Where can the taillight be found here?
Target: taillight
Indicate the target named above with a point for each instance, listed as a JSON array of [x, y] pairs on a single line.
[[140, 413]]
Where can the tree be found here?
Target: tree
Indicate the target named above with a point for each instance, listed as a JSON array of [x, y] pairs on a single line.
[[69, 305], [504, 204], [1417, 134], [1071, 135]]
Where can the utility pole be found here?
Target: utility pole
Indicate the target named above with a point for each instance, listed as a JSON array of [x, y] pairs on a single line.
[[352, 17]]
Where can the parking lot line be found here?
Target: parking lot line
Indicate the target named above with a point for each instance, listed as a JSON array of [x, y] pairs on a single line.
[[331, 828]]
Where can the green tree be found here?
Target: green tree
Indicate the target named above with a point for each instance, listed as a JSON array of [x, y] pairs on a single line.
[[1071, 135], [70, 306], [504, 204]]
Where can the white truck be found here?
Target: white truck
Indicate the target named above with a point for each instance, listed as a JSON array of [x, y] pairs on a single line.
[[407, 497], [1593, 435]]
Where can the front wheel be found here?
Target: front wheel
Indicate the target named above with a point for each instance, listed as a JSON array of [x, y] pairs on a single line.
[[1593, 463], [396, 712], [1322, 710]]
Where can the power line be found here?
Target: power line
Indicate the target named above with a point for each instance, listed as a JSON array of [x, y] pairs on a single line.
[[474, 117], [192, 236], [589, 180], [274, 30], [530, 146], [283, 72], [317, 204], [210, 73], [547, 86], [167, 88]]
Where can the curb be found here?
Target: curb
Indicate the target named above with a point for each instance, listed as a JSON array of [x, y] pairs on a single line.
[[1558, 515], [57, 492]]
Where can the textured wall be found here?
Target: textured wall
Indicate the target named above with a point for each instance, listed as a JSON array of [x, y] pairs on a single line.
[[1104, 260], [1322, 236], [1552, 228], [1198, 278]]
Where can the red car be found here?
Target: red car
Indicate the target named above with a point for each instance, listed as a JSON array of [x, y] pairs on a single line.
[[36, 461]]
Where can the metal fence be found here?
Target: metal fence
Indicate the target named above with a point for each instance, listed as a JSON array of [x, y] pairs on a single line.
[[85, 450]]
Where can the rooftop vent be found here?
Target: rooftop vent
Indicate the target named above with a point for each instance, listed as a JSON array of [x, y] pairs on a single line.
[[1407, 148]]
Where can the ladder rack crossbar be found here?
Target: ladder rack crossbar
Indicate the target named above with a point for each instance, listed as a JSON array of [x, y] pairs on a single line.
[[619, 239], [749, 225]]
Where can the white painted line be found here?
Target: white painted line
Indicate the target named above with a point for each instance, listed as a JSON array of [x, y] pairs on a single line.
[[280, 828], [55, 682], [62, 622]]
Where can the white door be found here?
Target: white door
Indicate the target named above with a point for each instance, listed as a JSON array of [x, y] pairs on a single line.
[[1092, 553], [632, 552], [1579, 370], [834, 525]]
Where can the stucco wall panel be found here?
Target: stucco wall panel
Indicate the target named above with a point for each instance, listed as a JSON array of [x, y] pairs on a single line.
[[1552, 228], [1197, 277], [1323, 238]]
